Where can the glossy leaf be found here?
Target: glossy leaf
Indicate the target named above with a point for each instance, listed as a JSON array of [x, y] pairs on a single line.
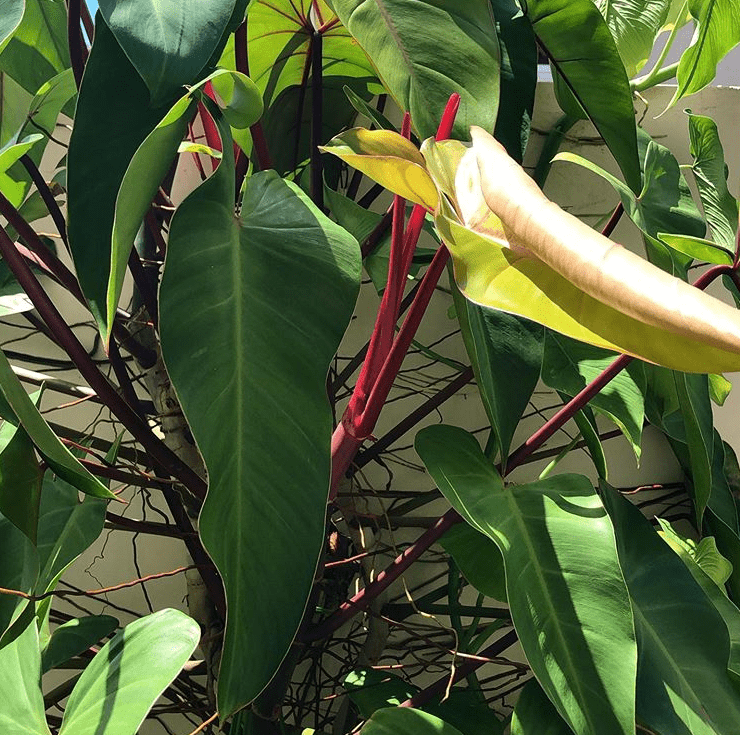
[[128, 674], [717, 32], [371, 690], [20, 479], [683, 646], [59, 458], [634, 24], [23, 711], [389, 159], [479, 559], [75, 637], [506, 354], [569, 366], [406, 721], [405, 39], [710, 172], [578, 42], [276, 289], [518, 76], [167, 41], [38, 49], [568, 601], [11, 13], [534, 714], [122, 110]]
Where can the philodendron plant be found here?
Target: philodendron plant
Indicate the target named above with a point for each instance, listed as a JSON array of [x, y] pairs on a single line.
[[216, 251]]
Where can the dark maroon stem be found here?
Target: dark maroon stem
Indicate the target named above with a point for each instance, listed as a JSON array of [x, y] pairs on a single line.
[[167, 459], [317, 122], [87, 21], [77, 49], [47, 196], [613, 220]]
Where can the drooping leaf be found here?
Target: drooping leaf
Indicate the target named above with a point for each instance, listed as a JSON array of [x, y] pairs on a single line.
[[128, 674], [111, 122], [710, 171], [38, 49], [683, 646], [568, 600], [168, 41], [569, 366], [406, 721], [11, 13], [371, 690], [20, 479], [535, 715], [479, 559], [23, 711], [276, 289], [280, 49], [506, 353], [577, 40], [717, 32], [426, 50], [634, 25], [59, 458], [74, 637], [518, 76]]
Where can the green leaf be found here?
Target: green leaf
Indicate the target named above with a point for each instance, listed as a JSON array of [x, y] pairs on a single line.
[[634, 24], [75, 637], [167, 41], [683, 646], [479, 559], [719, 388], [406, 721], [38, 49], [275, 288], [506, 354], [11, 13], [717, 32], [111, 122], [14, 102], [48, 103], [578, 42], [696, 409], [128, 674], [20, 479], [19, 568], [722, 496], [698, 248], [60, 459], [22, 711], [710, 172], [238, 97], [518, 76], [464, 710], [728, 544], [424, 50], [371, 113], [703, 553], [568, 600], [534, 714], [371, 690], [569, 366]]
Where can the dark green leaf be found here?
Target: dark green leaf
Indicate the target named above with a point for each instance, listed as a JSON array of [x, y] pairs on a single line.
[[683, 646], [424, 50], [75, 637], [20, 479], [111, 122], [463, 710], [535, 715], [578, 42], [506, 353], [710, 170], [371, 690], [22, 710], [518, 76], [569, 366], [375, 116], [11, 13], [406, 721], [275, 289], [479, 559], [568, 600], [19, 568], [128, 674], [167, 41]]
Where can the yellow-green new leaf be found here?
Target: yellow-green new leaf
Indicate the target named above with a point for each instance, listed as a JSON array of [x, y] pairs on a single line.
[[533, 259], [389, 159]]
